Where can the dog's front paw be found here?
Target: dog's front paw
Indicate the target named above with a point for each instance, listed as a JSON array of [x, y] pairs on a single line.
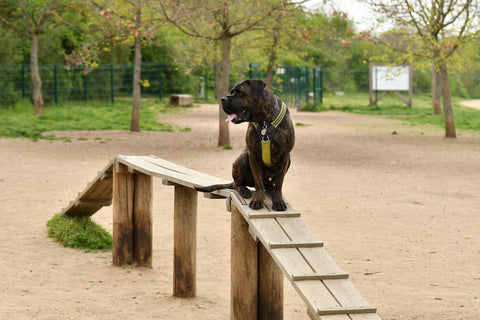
[[279, 205], [244, 192], [256, 205]]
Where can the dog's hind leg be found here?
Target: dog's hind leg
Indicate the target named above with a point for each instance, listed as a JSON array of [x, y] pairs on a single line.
[[242, 175]]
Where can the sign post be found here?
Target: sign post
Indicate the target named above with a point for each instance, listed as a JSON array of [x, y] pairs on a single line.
[[390, 79]]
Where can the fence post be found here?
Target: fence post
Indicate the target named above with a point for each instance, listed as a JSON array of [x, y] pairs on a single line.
[[85, 87], [160, 80], [23, 80], [307, 85], [206, 81], [55, 80], [112, 85], [298, 87]]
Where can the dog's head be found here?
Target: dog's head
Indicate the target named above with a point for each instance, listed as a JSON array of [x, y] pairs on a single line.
[[246, 102]]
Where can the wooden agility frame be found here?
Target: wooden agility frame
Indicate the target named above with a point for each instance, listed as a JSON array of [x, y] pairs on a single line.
[[266, 245]]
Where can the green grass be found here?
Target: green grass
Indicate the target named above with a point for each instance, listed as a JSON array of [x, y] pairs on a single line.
[[466, 119], [79, 233], [19, 121]]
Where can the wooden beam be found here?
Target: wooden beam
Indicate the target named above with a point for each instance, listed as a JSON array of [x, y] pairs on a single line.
[[270, 287], [185, 242], [122, 216], [244, 270], [142, 220], [346, 310]]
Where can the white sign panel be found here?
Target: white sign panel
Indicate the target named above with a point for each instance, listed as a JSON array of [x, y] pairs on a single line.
[[387, 78]]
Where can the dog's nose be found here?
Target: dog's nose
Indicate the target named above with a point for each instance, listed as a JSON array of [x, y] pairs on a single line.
[[224, 101]]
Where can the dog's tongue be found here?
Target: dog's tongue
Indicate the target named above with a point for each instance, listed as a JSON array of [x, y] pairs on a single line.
[[230, 118]]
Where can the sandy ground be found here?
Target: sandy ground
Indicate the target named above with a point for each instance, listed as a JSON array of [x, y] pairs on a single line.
[[399, 212]]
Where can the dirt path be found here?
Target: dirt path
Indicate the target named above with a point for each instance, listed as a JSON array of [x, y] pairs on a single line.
[[399, 212], [471, 104]]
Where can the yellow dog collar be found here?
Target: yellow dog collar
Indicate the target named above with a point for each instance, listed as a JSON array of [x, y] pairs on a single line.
[[264, 138]]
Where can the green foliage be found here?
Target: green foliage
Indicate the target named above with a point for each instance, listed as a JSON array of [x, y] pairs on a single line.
[[19, 121], [79, 233]]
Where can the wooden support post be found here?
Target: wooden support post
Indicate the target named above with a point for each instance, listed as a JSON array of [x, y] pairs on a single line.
[[185, 242], [244, 270], [122, 215], [142, 219], [270, 287]]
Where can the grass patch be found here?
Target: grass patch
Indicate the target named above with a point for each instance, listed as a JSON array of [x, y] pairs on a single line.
[[79, 233], [19, 121], [466, 119]]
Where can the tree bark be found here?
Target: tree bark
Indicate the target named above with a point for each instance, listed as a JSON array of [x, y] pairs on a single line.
[[135, 122], [223, 133], [436, 90], [447, 103], [35, 73], [273, 53]]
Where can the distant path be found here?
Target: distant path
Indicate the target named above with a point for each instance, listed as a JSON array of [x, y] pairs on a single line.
[[471, 104]]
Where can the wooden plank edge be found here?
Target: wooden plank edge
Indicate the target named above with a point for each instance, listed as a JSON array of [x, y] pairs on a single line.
[[274, 214], [296, 245], [315, 276], [346, 310], [101, 202]]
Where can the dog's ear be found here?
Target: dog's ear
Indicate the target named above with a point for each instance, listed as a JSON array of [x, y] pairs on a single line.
[[257, 87]]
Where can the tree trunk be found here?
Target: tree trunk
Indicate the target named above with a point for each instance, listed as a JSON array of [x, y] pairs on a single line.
[[135, 123], [224, 134], [447, 103], [273, 52], [36, 79], [436, 90]]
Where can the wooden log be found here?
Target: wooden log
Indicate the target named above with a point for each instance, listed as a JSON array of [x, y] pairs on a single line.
[[142, 220], [244, 270], [122, 216], [270, 287], [185, 242]]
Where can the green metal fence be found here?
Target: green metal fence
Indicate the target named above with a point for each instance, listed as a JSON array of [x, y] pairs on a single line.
[[296, 86]]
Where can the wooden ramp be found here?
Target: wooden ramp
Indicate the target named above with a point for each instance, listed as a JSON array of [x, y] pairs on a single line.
[[325, 288]]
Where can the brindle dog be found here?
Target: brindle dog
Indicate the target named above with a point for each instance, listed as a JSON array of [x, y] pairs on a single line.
[[269, 120]]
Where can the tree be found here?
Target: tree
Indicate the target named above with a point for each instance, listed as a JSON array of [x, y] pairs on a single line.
[[135, 22], [30, 18], [219, 21], [435, 30]]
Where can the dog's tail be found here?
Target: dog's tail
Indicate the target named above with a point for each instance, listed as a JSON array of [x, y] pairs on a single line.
[[215, 187]]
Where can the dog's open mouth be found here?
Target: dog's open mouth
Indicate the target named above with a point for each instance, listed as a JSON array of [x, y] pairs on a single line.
[[237, 118]]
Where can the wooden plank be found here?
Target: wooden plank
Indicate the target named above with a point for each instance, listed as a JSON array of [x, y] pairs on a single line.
[[321, 261], [166, 170], [291, 262], [293, 244], [317, 276], [268, 231], [346, 310], [94, 202], [345, 293], [297, 231], [244, 270], [185, 242], [316, 295], [365, 316], [99, 188]]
